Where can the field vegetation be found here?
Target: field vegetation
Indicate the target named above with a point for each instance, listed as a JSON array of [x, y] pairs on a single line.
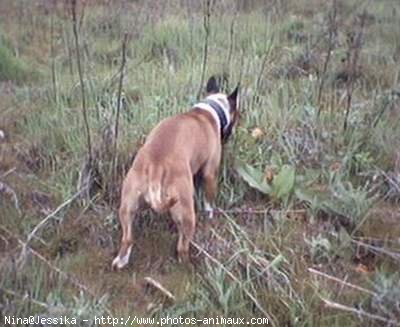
[[307, 232]]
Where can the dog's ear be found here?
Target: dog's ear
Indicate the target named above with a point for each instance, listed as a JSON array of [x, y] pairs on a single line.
[[212, 85], [233, 98]]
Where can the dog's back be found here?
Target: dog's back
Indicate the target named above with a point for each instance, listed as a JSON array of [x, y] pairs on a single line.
[[171, 155]]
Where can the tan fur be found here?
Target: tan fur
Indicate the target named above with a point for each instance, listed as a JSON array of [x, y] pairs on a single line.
[[162, 176]]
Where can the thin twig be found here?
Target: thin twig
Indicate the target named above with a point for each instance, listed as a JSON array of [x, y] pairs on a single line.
[[206, 25], [250, 211], [68, 277], [68, 50], [263, 64], [358, 312], [355, 45], [244, 211], [4, 188], [84, 3], [331, 44], [23, 298], [52, 52], [47, 218], [386, 105], [393, 255], [231, 41], [231, 275], [8, 172], [121, 79], [377, 239], [80, 72], [338, 280], [159, 287]]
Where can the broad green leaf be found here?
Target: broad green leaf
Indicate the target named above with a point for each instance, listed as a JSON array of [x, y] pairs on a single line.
[[344, 237], [283, 183], [253, 177]]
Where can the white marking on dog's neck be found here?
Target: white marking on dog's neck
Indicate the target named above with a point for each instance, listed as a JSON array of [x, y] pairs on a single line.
[[222, 100]]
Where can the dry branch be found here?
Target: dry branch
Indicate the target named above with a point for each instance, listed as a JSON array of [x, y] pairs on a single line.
[[332, 29], [231, 41], [82, 84], [66, 276], [262, 69], [354, 44], [206, 25], [52, 53], [4, 188], [46, 219], [392, 254], [23, 298], [116, 125], [8, 172], [338, 280], [159, 287], [231, 275], [358, 312]]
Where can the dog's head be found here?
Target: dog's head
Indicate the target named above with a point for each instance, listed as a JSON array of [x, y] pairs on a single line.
[[230, 104]]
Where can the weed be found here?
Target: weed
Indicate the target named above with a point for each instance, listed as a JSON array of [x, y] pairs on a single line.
[[295, 190]]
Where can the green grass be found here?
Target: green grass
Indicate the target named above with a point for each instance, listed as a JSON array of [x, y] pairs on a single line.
[[332, 204], [11, 68]]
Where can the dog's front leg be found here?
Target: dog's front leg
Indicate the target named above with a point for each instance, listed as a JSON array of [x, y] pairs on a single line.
[[210, 176]]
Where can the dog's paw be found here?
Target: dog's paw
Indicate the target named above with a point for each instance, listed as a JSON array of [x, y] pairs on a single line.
[[120, 262], [210, 213]]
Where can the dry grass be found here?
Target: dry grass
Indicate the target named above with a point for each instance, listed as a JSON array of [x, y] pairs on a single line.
[[312, 198]]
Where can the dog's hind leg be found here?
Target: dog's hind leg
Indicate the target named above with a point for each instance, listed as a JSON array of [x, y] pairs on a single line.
[[184, 216], [129, 205]]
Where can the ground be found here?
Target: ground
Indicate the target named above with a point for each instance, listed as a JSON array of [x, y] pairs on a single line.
[[307, 228]]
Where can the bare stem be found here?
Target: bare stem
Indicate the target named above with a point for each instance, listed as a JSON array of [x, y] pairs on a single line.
[[331, 45], [206, 25], [263, 64], [354, 50], [116, 125], [358, 312], [80, 72], [24, 298], [338, 280], [48, 217], [231, 275], [231, 41], [71, 278], [52, 54]]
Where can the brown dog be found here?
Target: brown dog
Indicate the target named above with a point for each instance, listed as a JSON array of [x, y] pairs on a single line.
[[162, 173]]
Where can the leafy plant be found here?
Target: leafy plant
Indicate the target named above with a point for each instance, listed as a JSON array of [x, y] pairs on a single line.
[[321, 249], [282, 185], [254, 178], [386, 299]]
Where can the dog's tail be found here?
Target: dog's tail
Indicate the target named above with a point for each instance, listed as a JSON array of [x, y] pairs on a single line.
[[159, 198]]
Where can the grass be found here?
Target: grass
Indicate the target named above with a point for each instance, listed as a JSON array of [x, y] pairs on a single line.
[[13, 69], [298, 192]]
